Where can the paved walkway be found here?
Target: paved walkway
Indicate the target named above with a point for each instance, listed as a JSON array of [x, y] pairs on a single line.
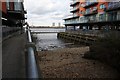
[[13, 62]]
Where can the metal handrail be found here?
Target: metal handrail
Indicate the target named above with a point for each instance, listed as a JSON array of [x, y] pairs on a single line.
[[32, 69], [29, 35]]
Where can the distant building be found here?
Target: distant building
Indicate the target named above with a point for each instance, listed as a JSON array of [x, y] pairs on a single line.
[[59, 24], [53, 24], [93, 14]]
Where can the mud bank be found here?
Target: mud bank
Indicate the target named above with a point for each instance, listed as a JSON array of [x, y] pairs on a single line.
[[68, 63]]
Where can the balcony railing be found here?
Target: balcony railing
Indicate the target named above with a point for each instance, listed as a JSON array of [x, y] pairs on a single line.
[[75, 2], [91, 13], [25, 11], [17, 14], [75, 9], [94, 19], [113, 6], [75, 15], [72, 22], [102, 19], [88, 4]]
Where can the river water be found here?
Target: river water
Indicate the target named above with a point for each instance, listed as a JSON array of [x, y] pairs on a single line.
[[49, 41]]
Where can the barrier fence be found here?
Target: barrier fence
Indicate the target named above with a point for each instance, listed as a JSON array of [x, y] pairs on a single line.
[[32, 67]]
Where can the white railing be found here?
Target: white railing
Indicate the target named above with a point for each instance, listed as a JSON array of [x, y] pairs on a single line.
[[75, 1], [75, 15], [75, 8]]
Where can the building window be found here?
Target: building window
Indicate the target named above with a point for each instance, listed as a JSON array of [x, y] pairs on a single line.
[[81, 12], [17, 5], [82, 5], [94, 0], [113, 4], [8, 5], [102, 6], [87, 10], [94, 8], [102, 17]]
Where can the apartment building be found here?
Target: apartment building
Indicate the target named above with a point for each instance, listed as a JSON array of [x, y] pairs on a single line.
[[13, 13], [94, 14]]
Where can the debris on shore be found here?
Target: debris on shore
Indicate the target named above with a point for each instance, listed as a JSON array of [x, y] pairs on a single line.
[[68, 63]]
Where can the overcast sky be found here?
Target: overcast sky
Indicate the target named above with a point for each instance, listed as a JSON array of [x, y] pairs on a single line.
[[45, 12]]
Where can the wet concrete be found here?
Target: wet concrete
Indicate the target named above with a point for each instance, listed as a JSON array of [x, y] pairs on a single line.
[[13, 62]]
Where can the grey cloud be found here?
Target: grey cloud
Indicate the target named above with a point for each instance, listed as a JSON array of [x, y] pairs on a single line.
[[42, 10], [46, 10]]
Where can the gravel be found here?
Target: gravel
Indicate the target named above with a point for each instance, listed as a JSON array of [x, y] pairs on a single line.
[[68, 63]]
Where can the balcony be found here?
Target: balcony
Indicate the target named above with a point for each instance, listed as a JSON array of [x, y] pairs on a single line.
[[89, 4], [25, 11], [25, 16], [72, 20], [113, 6], [74, 9], [75, 15], [16, 14], [85, 20], [104, 19], [75, 2], [91, 13]]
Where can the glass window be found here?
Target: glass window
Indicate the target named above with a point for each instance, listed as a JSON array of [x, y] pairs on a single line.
[[81, 12], [109, 4], [87, 10], [94, 0], [112, 4], [8, 5], [17, 5], [94, 8], [102, 17], [102, 6]]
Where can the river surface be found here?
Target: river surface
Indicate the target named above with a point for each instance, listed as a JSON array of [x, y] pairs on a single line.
[[49, 41]]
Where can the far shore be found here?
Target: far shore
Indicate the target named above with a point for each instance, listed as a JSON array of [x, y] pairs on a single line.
[[47, 27]]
